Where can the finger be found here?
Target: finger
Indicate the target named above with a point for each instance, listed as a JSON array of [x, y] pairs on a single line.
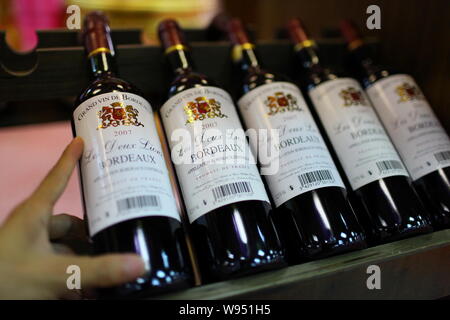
[[70, 232], [56, 180], [102, 271], [64, 225], [60, 248], [59, 226], [76, 246]]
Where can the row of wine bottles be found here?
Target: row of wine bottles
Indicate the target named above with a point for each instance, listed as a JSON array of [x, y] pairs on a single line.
[[349, 167]]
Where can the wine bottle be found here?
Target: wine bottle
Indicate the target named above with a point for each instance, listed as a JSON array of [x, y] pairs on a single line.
[[127, 195], [412, 125], [225, 198], [313, 215], [372, 166]]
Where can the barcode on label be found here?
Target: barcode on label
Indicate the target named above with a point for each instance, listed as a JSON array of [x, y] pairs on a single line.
[[442, 156], [149, 201], [231, 189], [389, 165], [315, 176]]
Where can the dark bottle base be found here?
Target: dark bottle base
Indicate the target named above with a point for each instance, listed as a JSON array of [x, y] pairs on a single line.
[[401, 234], [236, 240], [318, 224], [434, 190], [386, 235], [160, 241], [306, 254], [138, 290], [389, 210]]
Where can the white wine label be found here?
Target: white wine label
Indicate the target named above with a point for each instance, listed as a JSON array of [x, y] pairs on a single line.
[[305, 163], [357, 135], [214, 165], [122, 168], [416, 132]]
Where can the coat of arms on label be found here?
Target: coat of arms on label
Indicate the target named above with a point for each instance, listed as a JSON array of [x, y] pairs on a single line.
[[352, 97], [281, 102], [117, 114], [202, 108], [408, 92]]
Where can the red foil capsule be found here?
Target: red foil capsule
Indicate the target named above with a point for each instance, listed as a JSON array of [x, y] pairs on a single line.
[[96, 34], [298, 35], [297, 32], [171, 36], [350, 34], [237, 32]]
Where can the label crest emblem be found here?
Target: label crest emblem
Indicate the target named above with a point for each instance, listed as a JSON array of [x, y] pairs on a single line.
[[281, 102], [117, 114], [408, 92], [352, 97], [202, 108]]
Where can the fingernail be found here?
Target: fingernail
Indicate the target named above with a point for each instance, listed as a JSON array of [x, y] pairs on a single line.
[[77, 138], [76, 146]]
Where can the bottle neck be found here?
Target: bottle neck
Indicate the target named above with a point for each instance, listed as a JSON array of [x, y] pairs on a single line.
[[308, 55], [245, 57], [180, 60], [309, 58], [363, 64], [102, 64]]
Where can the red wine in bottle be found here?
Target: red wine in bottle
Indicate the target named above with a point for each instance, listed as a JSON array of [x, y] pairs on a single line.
[[128, 198], [313, 215], [224, 195], [412, 125], [371, 164]]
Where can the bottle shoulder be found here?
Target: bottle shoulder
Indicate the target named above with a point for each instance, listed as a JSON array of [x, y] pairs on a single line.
[[188, 80], [104, 85], [365, 67], [373, 77], [254, 79], [316, 76]]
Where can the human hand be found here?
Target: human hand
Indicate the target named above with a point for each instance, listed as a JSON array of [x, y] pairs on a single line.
[[31, 267]]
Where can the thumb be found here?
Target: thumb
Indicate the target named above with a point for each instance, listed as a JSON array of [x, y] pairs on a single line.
[[102, 271]]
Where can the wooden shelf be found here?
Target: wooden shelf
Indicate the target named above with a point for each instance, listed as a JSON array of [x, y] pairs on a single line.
[[415, 268]]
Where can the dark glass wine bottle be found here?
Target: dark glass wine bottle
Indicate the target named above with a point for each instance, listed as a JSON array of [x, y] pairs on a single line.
[[412, 125], [127, 195], [373, 168], [313, 215], [225, 199]]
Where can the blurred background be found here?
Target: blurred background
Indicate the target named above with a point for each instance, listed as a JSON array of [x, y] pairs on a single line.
[[415, 34], [414, 38]]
